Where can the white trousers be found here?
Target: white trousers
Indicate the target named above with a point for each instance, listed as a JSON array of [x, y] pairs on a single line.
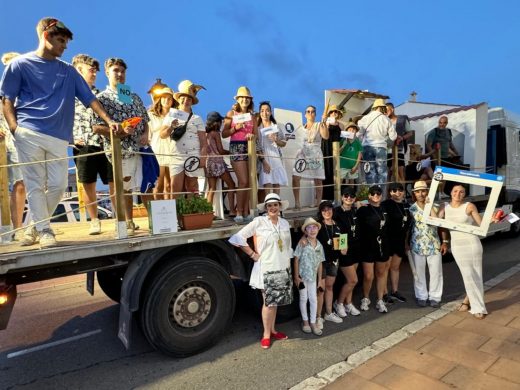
[[309, 294], [419, 278], [45, 182]]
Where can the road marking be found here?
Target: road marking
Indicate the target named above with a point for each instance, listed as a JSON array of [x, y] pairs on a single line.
[[53, 344]]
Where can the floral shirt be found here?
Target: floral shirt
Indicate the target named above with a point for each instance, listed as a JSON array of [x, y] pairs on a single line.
[[425, 239], [82, 130], [119, 111], [309, 259]]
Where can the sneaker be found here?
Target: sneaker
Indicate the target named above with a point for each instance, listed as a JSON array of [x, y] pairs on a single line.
[[388, 299], [18, 235], [248, 218], [435, 304], [95, 227], [30, 236], [306, 329], [316, 331], [130, 228], [340, 310], [47, 238], [352, 310], [364, 304], [239, 219], [397, 296], [420, 302], [333, 317], [381, 307], [319, 323]]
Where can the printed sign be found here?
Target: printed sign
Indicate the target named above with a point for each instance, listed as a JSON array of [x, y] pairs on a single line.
[[347, 134], [269, 130], [467, 177], [162, 216], [181, 116], [192, 164], [343, 241], [331, 120], [124, 93], [241, 118]]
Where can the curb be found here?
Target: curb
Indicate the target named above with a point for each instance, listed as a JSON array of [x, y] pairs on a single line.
[[332, 373]]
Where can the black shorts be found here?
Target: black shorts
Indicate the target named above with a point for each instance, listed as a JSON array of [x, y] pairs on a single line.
[[400, 160], [330, 268], [89, 167], [396, 246], [351, 258], [371, 253]]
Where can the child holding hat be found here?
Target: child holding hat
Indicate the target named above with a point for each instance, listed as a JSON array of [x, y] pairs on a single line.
[[307, 269]]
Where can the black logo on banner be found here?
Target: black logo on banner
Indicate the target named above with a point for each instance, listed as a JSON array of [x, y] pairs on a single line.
[[300, 165], [191, 164]]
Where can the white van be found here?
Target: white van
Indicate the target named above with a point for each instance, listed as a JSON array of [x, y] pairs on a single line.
[[71, 207]]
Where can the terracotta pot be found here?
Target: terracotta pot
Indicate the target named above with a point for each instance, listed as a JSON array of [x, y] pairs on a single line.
[[196, 221]]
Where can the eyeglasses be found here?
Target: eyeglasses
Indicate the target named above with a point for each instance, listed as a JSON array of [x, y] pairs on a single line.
[[310, 112], [374, 193], [312, 227], [56, 23]]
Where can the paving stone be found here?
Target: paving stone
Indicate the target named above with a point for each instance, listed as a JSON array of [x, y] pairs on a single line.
[[399, 378], [515, 323], [420, 362], [416, 326], [502, 348], [335, 371], [391, 340], [362, 356], [455, 336], [450, 320], [416, 341], [488, 329], [372, 368], [353, 381], [466, 378], [506, 369], [467, 357]]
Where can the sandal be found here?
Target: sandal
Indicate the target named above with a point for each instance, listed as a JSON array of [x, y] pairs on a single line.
[[464, 307], [479, 316]]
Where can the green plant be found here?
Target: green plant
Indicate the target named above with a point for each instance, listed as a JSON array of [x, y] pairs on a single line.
[[193, 205], [362, 193]]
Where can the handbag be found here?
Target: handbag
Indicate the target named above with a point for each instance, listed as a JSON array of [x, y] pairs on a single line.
[[179, 131]]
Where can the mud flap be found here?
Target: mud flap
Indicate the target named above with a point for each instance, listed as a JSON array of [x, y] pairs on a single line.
[[125, 324]]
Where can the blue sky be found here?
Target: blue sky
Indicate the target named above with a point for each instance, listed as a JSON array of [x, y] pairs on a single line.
[[289, 52]]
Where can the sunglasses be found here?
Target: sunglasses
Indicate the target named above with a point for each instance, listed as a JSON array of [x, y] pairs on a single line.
[[397, 190], [56, 23], [374, 193], [349, 196]]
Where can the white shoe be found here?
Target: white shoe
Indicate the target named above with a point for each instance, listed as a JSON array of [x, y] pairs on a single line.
[[306, 329], [316, 331], [18, 235], [364, 304], [47, 238], [381, 307], [95, 227], [333, 317], [30, 236], [340, 310], [319, 323], [352, 310], [130, 228]]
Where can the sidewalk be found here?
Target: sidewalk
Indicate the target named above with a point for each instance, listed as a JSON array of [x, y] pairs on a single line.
[[456, 351]]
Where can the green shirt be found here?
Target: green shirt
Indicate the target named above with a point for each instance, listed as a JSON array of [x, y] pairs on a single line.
[[350, 153]]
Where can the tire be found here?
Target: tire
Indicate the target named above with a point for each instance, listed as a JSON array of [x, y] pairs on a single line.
[[110, 281], [203, 296]]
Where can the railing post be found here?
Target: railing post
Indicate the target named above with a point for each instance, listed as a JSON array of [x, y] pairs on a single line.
[[119, 195], [253, 179], [395, 163], [4, 193], [337, 171], [81, 201]]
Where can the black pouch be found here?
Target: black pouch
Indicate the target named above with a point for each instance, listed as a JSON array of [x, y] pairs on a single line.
[[179, 131]]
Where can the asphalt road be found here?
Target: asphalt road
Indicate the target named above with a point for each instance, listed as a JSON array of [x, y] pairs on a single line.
[[62, 338]]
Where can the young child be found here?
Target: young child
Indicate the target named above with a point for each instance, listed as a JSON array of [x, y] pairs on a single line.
[[351, 153], [307, 270]]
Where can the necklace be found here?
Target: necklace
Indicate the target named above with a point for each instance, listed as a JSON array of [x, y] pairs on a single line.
[[352, 220], [278, 233], [331, 234], [381, 216], [311, 133], [404, 216]]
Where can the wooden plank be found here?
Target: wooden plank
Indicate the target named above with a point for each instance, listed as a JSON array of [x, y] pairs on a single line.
[[4, 185]]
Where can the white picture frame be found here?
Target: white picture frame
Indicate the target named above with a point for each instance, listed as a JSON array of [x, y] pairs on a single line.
[[494, 182]]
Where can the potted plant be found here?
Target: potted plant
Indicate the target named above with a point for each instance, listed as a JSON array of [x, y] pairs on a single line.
[[194, 212]]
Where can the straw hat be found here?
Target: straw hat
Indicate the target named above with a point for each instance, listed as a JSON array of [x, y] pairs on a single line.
[[161, 92], [273, 198], [351, 124], [243, 92], [310, 221], [420, 185], [379, 103], [187, 88], [335, 108]]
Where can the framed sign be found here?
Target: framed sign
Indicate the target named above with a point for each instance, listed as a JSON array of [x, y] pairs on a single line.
[[466, 177]]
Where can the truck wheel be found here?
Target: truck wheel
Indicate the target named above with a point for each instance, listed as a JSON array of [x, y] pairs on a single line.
[[110, 281], [187, 306]]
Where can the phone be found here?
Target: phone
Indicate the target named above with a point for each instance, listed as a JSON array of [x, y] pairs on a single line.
[[301, 286], [320, 289]]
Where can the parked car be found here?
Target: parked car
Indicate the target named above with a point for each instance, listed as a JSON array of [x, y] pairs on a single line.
[[71, 207]]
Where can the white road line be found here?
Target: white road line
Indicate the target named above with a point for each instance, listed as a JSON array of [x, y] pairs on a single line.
[[53, 344]]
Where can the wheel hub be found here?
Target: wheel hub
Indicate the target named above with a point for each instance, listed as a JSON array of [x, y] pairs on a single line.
[[190, 306]]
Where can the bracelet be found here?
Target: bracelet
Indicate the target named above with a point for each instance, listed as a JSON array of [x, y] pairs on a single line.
[[445, 241], [253, 253]]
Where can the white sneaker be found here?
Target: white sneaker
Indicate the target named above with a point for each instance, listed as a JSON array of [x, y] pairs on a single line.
[[316, 330], [352, 310], [95, 227], [319, 323], [381, 307], [333, 317], [340, 310], [364, 304], [130, 228], [30, 236], [18, 235], [47, 238]]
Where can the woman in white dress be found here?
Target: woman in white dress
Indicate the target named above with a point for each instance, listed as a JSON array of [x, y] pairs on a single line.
[[162, 103], [309, 159], [272, 169], [271, 254], [467, 250]]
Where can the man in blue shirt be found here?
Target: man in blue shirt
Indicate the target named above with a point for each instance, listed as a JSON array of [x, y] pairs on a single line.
[[38, 92]]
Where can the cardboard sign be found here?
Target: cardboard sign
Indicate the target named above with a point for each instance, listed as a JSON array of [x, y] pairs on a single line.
[[241, 118], [181, 116], [162, 216], [347, 134], [124, 93], [467, 177], [343, 241], [331, 120], [269, 130]]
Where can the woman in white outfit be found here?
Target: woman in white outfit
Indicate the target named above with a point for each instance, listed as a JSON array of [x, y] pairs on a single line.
[[467, 250]]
